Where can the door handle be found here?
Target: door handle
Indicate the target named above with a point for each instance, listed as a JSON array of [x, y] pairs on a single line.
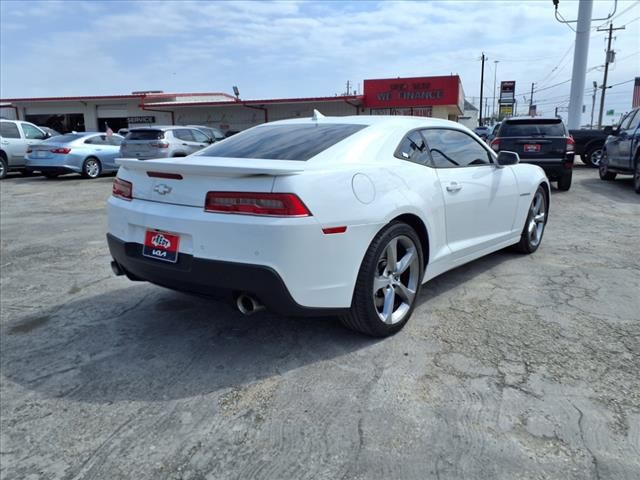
[[453, 187], [185, 144]]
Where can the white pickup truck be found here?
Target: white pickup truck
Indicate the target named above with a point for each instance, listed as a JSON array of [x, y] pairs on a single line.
[[15, 138]]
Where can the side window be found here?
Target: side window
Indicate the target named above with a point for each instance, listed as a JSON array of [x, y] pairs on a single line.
[[624, 124], [114, 140], [199, 136], [413, 148], [636, 120], [96, 140], [453, 148], [9, 130], [32, 132], [183, 134]]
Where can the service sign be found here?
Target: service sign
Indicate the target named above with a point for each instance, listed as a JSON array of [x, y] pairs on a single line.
[[411, 92], [507, 91]]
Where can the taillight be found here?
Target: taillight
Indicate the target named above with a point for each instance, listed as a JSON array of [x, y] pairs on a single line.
[[571, 144], [160, 144], [63, 150], [122, 189], [260, 204], [495, 144]]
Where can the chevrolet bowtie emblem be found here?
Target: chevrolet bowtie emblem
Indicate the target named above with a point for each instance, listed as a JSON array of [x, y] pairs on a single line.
[[162, 189]]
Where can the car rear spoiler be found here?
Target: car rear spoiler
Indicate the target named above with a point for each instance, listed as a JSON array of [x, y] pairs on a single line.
[[225, 167]]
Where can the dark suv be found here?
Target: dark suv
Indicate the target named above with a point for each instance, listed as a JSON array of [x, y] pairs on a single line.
[[541, 141], [621, 151]]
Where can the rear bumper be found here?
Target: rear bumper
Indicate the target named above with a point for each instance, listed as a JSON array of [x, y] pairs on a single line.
[[553, 167], [60, 170], [212, 278]]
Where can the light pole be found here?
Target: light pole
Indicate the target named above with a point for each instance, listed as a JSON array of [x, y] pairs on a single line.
[[495, 71]]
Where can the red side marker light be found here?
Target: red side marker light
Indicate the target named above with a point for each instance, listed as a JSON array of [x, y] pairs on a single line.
[[329, 231]]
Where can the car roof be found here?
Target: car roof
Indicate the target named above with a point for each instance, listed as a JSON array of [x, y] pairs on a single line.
[[408, 122], [529, 118]]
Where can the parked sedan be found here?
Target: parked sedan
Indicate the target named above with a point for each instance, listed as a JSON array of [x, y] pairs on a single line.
[[86, 153], [341, 215]]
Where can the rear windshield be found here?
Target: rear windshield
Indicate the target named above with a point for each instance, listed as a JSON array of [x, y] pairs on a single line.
[[282, 142], [145, 135], [532, 128], [66, 138]]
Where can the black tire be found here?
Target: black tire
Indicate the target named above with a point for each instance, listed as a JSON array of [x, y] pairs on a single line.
[[592, 157], [50, 175], [636, 176], [528, 243], [4, 166], [564, 182], [603, 168], [91, 168], [364, 316]]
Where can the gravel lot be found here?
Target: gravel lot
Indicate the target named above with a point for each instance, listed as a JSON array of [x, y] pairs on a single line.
[[513, 367]]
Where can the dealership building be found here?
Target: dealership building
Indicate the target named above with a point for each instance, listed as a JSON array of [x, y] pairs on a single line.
[[439, 97]]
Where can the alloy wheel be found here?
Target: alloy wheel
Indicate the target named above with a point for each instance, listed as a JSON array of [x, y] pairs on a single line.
[[396, 280], [537, 219], [92, 167], [595, 157]]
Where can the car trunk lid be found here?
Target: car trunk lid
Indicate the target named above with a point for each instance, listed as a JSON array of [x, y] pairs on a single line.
[[188, 181]]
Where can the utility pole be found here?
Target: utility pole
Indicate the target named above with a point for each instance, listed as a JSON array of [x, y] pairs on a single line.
[[607, 61], [481, 88], [495, 71], [531, 98], [556, 114], [348, 88], [593, 102], [580, 55]]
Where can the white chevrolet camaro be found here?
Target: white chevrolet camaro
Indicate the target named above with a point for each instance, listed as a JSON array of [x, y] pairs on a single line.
[[343, 216]]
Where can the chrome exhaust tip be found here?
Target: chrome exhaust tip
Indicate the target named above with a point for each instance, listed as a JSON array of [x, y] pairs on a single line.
[[247, 304], [117, 269]]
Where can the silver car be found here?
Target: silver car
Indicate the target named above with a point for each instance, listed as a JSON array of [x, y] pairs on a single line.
[[212, 132], [161, 142], [86, 153], [15, 138]]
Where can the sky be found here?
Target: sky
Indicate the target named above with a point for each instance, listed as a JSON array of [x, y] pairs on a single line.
[[307, 49]]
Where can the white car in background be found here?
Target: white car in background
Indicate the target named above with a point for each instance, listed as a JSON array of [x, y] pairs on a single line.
[[343, 215]]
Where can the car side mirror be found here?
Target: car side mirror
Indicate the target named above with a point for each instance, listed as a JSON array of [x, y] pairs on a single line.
[[507, 158], [608, 130]]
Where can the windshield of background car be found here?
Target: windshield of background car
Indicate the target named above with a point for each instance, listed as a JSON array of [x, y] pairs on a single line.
[[532, 128], [66, 138], [145, 135], [282, 142]]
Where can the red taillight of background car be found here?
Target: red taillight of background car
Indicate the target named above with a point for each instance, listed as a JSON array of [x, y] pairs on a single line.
[[260, 204], [571, 144], [63, 150], [160, 145], [122, 189], [495, 144]]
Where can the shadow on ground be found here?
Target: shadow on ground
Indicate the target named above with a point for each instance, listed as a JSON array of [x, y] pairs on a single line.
[[148, 343]]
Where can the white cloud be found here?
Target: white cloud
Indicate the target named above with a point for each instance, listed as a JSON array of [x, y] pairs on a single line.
[[279, 49]]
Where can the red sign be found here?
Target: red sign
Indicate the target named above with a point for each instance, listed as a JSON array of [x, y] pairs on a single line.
[[161, 246], [412, 92]]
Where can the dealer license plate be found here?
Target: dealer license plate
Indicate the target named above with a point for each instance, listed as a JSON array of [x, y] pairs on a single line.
[[39, 154], [161, 246], [531, 147]]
